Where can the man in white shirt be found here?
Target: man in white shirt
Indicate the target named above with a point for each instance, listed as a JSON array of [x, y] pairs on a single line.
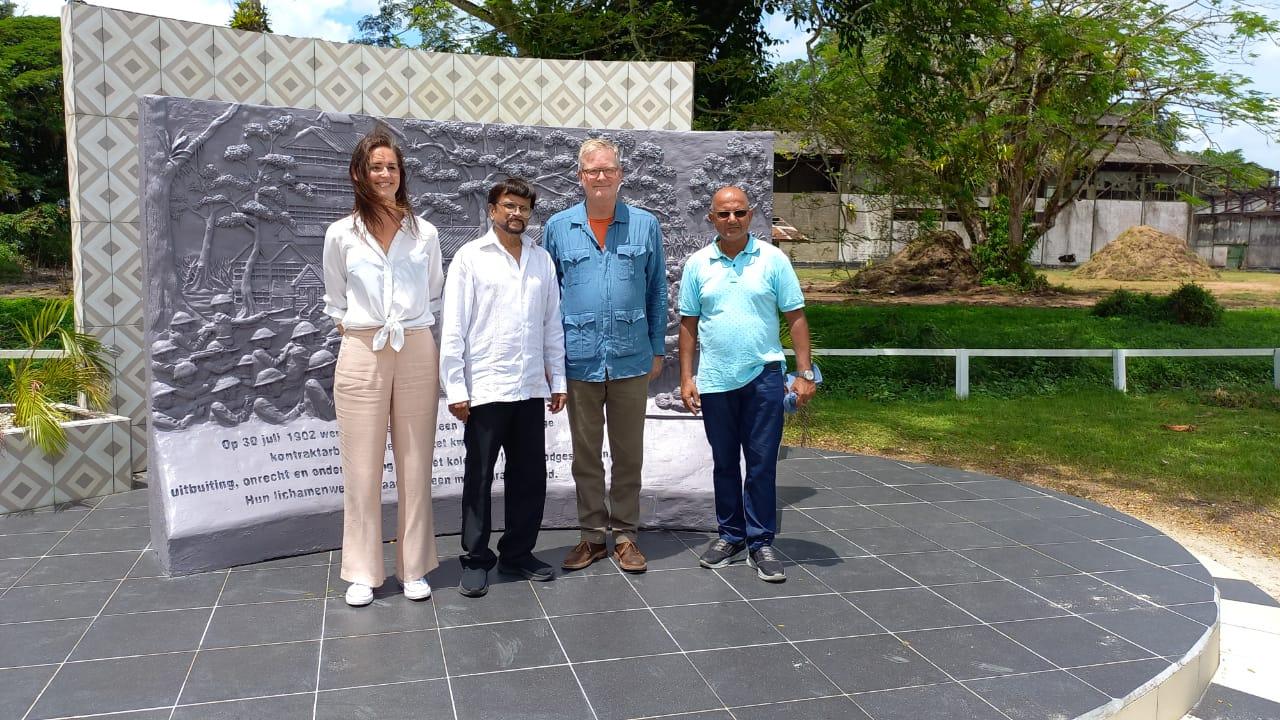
[[501, 358]]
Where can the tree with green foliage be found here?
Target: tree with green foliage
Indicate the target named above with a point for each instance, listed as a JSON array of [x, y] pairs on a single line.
[[726, 40], [250, 15], [966, 100]]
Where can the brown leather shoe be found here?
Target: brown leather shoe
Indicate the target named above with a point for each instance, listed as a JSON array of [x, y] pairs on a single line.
[[629, 557], [583, 554]]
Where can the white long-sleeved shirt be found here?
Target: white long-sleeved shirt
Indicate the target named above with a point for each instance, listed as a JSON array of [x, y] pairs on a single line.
[[394, 291], [501, 339]]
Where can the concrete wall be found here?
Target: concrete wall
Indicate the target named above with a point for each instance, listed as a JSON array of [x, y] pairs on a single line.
[[111, 58]]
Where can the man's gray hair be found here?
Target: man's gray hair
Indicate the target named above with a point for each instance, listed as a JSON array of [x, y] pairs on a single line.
[[592, 145]]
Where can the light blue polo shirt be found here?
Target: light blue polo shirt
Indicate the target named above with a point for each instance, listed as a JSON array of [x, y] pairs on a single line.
[[737, 303]]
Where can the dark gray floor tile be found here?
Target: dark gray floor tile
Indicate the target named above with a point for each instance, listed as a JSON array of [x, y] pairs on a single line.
[[610, 635], [1046, 507], [1039, 696], [1154, 629], [143, 634], [1017, 563], [1244, 591], [849, 518], [250, 586], [815, 617], [886, 540], [252, 672], [1030, 531], [1083, 594], [641, 687], [12, 570], [103, 686], [832, 708], [501, 646], [1071, 642], [28, 545], [918, 514], [1205, 613], [955, 475], [927, 701], [877, 495], [963, 536], [147, 566], [425, 700], [80, 568], [855, 574], [1120, 679], [973, 652], [537, 694], [936, 568], [871, 662], [982, 511], [816, 546], [129, 498], [840, 481], [315, 558], [1001, 489], [574, 595], [54, 602], [1224, 703], [997, 601], [153, 714], [799, 582], [389, 614], [167, 593], [286, 707], [1159, 585], [41, 521], [1092, 556], [736, 675], [682, 587], [1195, 571], [810, 498], [110, 518], [41, 642], [1098, 527], [812, 465], [375, 659], [505, 601], [95, 541], [19, 687], [262, 623], [1159, 550], [795, 521], [662, 551], [910, 609], [938, 492], [703, 627]]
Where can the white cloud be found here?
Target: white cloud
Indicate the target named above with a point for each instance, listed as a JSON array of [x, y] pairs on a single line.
[[793, 39]]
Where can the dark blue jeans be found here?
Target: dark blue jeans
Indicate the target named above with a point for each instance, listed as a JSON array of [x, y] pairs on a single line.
[[746, 423]]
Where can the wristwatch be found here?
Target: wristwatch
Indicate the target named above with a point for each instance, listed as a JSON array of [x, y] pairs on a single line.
[[806, 374]]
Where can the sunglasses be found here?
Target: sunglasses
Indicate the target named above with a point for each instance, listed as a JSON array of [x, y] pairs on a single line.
[[726, 214]]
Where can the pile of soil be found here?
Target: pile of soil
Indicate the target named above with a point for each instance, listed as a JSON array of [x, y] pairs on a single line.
[[934, 262], [1144, 253]]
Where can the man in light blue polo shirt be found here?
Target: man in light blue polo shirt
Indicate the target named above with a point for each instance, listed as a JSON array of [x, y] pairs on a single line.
[[730, 295]]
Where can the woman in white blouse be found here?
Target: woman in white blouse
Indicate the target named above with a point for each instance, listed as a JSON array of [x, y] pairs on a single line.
[[383, 283]]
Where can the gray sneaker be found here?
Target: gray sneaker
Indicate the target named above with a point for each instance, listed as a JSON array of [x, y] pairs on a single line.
[[768, 566], [720, 554]]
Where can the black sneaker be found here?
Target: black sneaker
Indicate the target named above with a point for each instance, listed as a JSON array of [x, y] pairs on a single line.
[[768, 566], [530, 568], [474, 583], [720, 554]]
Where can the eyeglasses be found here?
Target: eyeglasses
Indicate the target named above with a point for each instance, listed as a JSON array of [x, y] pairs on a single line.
[[610, 172], [726, 214], [514, 209]]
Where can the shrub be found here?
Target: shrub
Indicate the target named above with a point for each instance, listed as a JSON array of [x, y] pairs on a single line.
[[1191, 304], [1125, 303], [12, 264]]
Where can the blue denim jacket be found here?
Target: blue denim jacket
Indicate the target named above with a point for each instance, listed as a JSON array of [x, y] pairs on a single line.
[[614, 302]]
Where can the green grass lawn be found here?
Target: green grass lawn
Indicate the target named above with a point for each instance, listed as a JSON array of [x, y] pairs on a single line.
[[1095, 434]]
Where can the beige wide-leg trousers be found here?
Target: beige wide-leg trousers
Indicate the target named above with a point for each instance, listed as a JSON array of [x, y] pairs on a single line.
[[370, 388]]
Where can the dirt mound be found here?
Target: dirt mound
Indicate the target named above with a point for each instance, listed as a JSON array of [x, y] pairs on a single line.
[[934, 262], [1144, 253]]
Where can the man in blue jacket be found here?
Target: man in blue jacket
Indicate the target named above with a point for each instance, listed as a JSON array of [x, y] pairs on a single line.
[[613, 282]]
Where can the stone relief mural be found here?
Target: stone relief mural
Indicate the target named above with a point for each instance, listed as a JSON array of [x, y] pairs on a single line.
[[238, 197]]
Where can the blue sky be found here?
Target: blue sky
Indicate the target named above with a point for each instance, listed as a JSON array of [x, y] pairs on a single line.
[[336, 20]]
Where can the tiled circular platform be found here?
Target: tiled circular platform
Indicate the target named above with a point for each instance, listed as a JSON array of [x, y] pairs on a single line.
[[912, 592]]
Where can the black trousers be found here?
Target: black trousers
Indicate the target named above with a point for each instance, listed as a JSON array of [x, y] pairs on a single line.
[[516, 428]]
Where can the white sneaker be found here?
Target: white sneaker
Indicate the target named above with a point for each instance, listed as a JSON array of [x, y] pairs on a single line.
[[359, 594], [418, 589]]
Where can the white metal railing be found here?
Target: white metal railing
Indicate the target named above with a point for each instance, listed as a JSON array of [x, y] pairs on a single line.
[[1118, 357]]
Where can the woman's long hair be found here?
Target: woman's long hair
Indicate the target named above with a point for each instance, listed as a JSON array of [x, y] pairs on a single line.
[[369, 206]]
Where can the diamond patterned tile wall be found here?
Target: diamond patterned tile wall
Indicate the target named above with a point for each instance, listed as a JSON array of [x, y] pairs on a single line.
[[27, 473], [186, 59], [384, 78], [605, 93], [92, 462], [113, 57], [138, 446], [291, 73], [131, 66]]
